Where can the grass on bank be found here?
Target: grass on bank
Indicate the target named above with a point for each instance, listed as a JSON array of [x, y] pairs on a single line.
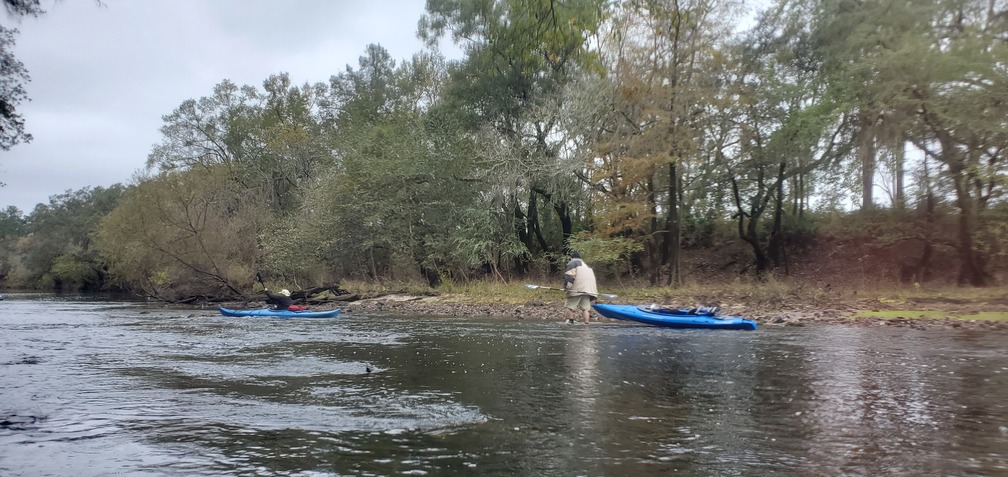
[[933, 315]]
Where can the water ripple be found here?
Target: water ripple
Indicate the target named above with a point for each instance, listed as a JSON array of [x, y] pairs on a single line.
[[101, 388]]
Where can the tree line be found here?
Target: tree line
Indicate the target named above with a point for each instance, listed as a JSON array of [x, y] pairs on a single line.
[[630, 131]]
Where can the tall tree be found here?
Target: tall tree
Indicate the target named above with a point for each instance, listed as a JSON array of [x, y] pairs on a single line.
[[270, 141], [928, 72], [520, 53], [789, 127], [858, 48], [12, 228], [961, 112], [184, 234], [666, 68], [402, 198], [932, 72]]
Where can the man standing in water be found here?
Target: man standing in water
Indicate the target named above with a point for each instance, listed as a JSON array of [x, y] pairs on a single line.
[[579, 283]]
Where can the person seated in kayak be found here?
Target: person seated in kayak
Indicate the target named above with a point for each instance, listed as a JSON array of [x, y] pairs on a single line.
[[279, 301], [579, 283], [282, 301]]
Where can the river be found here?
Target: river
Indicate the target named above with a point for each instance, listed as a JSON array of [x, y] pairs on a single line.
[[96, 388]]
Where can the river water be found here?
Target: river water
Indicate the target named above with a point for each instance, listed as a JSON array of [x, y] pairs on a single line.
[[92, 388]]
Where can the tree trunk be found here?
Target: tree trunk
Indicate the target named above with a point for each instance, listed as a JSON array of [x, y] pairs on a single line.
[[566, 229], [797, 194], [899, 160], [652, 241], [566, 222], [374, 265], [748, 232], [431, 275], [520, 226], [752, 238], [776, 242], [971, 262], [673, 228], [924, 265], [866, 154], [532, 223]]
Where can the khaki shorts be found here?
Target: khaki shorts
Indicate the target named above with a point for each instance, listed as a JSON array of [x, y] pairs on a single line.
[[581, 302]]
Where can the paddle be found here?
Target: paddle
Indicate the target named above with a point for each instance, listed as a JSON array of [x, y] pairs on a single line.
[[607, 296]]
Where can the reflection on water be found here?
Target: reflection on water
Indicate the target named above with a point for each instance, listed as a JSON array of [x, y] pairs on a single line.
[[100, 388]]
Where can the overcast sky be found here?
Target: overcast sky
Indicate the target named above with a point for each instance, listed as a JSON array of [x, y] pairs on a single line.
[[103, 75]]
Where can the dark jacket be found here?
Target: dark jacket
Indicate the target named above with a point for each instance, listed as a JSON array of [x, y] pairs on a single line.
[[279, 302]]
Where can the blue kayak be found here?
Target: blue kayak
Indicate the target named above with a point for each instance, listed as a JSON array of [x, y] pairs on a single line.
[[280, 313], [673, 318]]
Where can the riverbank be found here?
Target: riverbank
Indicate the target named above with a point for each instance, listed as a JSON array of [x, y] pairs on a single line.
[[935, 309]]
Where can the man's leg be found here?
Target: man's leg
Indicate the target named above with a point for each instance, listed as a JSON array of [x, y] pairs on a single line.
[[585, 306]]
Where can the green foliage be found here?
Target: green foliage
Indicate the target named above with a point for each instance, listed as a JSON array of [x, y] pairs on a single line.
[[658, 147], [509, 94], [55, 248], [76, 270], [926, 72], [612, 252], [13, 76], [12, 227], [518, 50], [992, 235], [271, 141], [12, 222], [699, 231], [642, 134], [13, 92], [403, 194], [184, 234]]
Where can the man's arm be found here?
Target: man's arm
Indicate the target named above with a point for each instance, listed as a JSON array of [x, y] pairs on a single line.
[[569, 276]]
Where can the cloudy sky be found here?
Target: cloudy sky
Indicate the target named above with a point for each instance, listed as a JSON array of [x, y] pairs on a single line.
[[104, 74]]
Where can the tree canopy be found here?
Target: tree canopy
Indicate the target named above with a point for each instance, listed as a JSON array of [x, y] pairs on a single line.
[[639, 133]]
